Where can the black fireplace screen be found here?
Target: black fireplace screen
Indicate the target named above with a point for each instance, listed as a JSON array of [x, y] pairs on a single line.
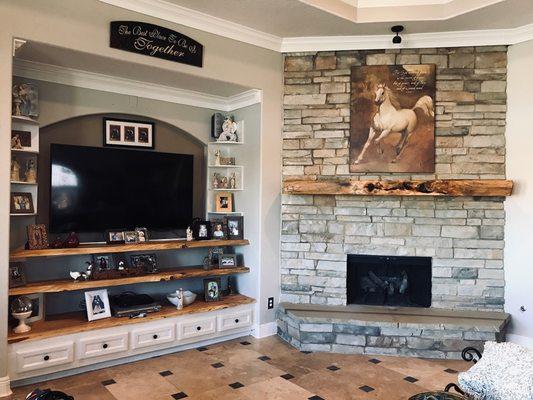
[[389, 281]]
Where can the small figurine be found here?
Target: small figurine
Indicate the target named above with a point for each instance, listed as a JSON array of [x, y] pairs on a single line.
[[121, 265], [179, 297], [229, 129], [78, 276], [15, 142], [217, 156], [223, 183], [15, 170], [233, 181], [216, 182], [189, 234]]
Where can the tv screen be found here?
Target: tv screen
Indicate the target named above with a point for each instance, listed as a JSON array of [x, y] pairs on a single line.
[[95, 189]]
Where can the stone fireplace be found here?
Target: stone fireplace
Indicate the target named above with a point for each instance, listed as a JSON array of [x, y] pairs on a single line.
[[461, 237]]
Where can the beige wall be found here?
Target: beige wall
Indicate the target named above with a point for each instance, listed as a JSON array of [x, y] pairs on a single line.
[[84, 25]]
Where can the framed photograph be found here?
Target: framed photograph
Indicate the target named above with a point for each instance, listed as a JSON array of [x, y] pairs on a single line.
[[103, 262], [235, 226], [129, 133], [130, 237], [212, 288], [227, 261], [146, 261], [115, 236], [227, 160], [20, 140], [37, 237], [17, 275], [216, 125], [213, 256], [21, 203], [218, 229], [142, 234], [201, 230], [224, 202], [37, 309], [97, 302]]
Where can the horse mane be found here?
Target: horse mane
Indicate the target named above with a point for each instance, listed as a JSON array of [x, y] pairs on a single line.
[[393, 99]]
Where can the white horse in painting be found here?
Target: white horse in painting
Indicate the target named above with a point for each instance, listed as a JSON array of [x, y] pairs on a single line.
[[392, 118]]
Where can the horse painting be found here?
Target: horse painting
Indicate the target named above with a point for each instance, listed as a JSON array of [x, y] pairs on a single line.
[[392, 119]]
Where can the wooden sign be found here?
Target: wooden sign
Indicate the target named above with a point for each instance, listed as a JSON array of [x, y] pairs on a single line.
[[155, 41]]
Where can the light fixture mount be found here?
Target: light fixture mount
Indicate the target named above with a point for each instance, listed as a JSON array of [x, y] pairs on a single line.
[[397, 29]]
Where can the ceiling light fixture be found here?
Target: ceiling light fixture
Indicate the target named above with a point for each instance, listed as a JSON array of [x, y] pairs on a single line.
[[397, 39]]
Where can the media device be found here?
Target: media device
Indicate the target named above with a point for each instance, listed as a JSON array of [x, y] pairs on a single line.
[[95, 189]]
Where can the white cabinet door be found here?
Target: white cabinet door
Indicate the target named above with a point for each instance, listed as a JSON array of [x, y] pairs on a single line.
[[234, 320], [152, 336], [39, 357], [101, 346], [197, 327]]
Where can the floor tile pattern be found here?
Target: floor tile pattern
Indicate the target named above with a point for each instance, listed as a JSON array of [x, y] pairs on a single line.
[[253, 369]]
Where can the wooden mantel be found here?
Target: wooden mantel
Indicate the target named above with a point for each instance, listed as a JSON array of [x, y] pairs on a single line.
[[443, 187]]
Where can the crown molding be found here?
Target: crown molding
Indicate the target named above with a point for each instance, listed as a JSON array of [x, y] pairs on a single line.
[[130, 87], [194, 19]]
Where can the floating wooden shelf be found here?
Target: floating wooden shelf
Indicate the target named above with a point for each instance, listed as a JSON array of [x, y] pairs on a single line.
[[64, 324], [451, 187], [56, 286], [21, 254]]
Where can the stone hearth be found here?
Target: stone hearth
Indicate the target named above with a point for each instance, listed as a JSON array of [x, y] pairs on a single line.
[[406, 331]]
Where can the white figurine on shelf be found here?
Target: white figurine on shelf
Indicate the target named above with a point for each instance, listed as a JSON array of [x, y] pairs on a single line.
[[223, 183], [217, 157], [229, 129], [216, 182], [189, 234], [233, 181], [31, 171], [15, 170]]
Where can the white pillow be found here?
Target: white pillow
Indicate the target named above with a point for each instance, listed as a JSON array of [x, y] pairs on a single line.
[[505, 372]]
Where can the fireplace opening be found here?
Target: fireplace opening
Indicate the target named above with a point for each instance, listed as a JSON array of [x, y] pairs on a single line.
[[389, 280]]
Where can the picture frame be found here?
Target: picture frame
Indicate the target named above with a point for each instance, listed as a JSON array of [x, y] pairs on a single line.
[[235, 227], [115, 236], [224, 202], [37, 310], [97, 302], [218, 229], [201, 230], [20, 140], [146, 261], [17, 274], [130, 237], [227, 261], [21, 203], [37, 237], [142, 235], [212, 289], [213, 255], [127, 133], [227, 160], [103, 262], [216, 124]]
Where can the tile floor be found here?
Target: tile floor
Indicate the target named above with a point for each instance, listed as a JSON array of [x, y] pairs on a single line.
[[252, 369]]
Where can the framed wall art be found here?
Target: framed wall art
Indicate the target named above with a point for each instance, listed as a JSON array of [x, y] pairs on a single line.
[[124, 133], [21, 203], [97, 302]]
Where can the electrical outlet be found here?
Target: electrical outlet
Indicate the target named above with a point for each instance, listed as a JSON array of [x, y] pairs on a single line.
[[270, 303]]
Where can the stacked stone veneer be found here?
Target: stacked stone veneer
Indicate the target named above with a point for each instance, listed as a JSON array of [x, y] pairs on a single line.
[[463, 235]]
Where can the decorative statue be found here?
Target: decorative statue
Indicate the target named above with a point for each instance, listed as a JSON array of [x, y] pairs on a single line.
[[229, 129], [223, 183], [31, 171], [217, 156], [216, 182], [15, 170], [189, 234], [15, 142], [233, 181]]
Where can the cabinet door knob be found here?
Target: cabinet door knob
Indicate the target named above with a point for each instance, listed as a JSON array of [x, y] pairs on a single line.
[[198, 328], [236, 320], [105, 346], [46, 358], [155, 336]]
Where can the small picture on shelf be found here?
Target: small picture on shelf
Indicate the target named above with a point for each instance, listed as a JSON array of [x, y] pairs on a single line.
[[224, 202], [20, 140], [128, 133], [235, 226], [130, 237], [17, 275], [22, 203], [227, 261], [115, 236], [25, 100], [37, 237], [103, 262], [212, 287], [216, 124], [97, 302], [227, 160], [37, 307], [142, 235], [229, 131], [218, 229], [201, 230], [148, 262]]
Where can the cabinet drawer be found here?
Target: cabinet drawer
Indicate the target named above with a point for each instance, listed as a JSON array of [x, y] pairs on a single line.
[[152, 336], [87, 348], [44, 357], [198, 327], [234, 320]]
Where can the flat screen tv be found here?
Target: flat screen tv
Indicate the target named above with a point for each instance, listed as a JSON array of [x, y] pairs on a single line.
[[95, 189]]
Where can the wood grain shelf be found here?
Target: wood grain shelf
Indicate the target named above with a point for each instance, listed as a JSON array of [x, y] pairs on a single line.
[[450, 187], [174, 274], [64, 324], [22, 254]]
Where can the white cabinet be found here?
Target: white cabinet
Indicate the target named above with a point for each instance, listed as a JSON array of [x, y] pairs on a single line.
[[102, 345], [234, 320], [44, 357], [197, 327], [152, 336]]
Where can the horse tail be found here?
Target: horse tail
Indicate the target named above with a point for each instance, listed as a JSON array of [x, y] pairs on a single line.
[[425, 103]]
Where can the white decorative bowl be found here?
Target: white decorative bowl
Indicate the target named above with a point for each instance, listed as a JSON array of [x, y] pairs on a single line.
[[188, 298]]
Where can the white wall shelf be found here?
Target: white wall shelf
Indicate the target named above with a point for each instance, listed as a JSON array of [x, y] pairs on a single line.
[[23, 119]]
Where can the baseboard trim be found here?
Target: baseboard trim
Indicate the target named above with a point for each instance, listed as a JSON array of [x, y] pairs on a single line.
[[521, 340], [5, 386], [265, 330]]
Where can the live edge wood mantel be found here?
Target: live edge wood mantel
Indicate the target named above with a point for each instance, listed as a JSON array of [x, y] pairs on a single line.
[[444, 187]]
